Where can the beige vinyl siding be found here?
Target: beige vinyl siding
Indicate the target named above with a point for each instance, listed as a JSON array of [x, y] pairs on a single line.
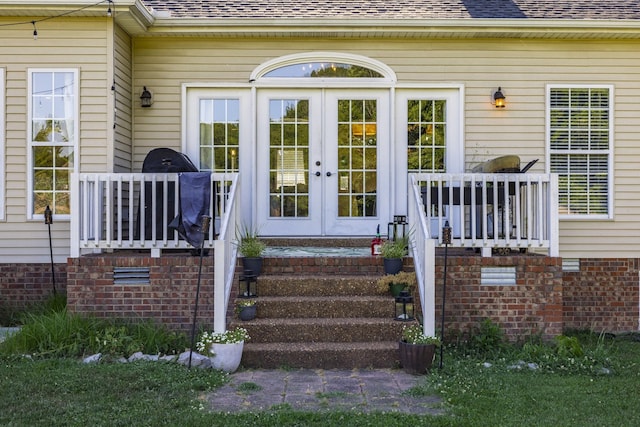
[[83, 48], [522, 68], [123, 123]]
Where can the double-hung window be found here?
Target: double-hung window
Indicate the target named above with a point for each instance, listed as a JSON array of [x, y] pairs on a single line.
[[580, 148], [52, 139]]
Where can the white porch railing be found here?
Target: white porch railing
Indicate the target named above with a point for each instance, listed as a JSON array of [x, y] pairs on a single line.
[[488, 212], [423, 250], [493, 211], [132, 211]]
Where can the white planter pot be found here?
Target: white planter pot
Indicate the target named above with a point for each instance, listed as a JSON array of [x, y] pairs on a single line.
[[226, 357]]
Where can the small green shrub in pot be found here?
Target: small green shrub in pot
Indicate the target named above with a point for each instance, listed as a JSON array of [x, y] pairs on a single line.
[[395, 248], [249, 243], [407, 278], [413, 334]]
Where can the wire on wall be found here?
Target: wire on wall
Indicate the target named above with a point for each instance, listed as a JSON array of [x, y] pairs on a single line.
[[110, 12]]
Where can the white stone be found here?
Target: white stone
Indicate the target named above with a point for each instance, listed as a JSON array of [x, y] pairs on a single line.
[[94, 358]]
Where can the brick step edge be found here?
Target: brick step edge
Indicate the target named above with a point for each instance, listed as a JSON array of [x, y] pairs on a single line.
[[326, 355]]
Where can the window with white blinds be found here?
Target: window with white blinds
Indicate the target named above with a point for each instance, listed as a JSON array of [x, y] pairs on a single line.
[[580, 141]]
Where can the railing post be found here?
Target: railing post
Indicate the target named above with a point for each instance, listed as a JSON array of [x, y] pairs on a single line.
[[219, 294], [74, 234], [554, 240], [429, 262]]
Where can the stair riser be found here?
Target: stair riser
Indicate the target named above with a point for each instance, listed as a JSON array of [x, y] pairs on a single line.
[[338, 359], [327, 266], [319, 332], [316, 286], [324, 309]]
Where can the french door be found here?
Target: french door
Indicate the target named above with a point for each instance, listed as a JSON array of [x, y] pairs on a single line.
[[322, 162]]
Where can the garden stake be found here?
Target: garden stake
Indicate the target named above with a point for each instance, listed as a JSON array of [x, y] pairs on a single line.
[[48, 220], [205, 230], [446, 239]]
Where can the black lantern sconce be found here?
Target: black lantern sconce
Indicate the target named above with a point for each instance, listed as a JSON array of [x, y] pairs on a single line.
[[397, 228], [248, 285], [145, 98], [404, 307], [498, 98]]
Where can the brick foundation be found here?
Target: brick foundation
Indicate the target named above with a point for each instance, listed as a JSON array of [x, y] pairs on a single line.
[[603, 296], [169, 298], [532, 306], [22, 285]]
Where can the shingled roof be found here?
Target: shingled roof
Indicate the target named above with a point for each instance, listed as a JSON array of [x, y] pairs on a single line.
[[398, 9]]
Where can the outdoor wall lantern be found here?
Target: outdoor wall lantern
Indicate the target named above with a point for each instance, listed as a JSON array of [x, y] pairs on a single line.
[[248, 285], [404, 307], [498, 98], [145, 98]]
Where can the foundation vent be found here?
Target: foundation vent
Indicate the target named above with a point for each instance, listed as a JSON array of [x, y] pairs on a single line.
[[498, 276], [570, 264], [131, 276]]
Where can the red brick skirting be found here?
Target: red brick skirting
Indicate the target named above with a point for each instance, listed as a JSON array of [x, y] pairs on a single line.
[[603, 296], [533, 305], [22, 285], [169, 298]]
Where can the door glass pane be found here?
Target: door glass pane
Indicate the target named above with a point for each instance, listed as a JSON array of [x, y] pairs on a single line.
[[426, 135], [357, 158], [219, 135], [289, 158]]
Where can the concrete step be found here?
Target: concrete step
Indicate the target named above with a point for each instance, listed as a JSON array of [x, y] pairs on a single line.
[[346, 330], [325, 307], [317, 285], [322, 312], [367, 265], [321, 355]]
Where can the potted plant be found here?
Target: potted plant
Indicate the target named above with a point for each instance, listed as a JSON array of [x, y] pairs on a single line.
[[417, 350], [392, 252], [224, 348], [246, 309], [395, 283], [251, 248]]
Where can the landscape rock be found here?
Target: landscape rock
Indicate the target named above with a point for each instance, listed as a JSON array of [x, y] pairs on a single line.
[[197, 359], [94, 358]]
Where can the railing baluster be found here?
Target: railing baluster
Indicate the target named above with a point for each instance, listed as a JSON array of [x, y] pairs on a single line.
[[132, 230]]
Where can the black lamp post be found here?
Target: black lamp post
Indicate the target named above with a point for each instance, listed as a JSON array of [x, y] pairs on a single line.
[[248, 285], [48, 220], [446, 239], [404, 311]]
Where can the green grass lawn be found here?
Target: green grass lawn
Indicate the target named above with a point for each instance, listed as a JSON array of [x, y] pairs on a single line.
[[580, 379], [51, 392]]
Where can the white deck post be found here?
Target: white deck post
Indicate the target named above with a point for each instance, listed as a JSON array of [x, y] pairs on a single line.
[[219, 297]]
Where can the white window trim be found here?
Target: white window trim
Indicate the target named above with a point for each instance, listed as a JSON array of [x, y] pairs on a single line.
[[76, 135], [610, 151], [3, 140], [389, 76]]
